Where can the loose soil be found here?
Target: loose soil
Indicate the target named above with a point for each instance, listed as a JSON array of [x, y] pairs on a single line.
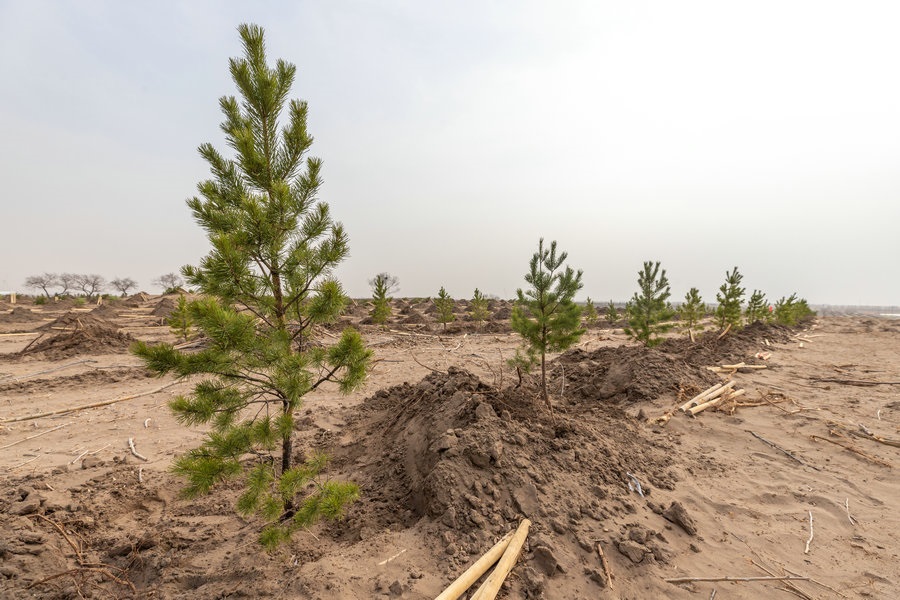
[[451, 451]]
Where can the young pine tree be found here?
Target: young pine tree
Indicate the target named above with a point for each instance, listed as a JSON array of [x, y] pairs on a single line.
[[383, 285], [266, 283], [757, 308], [478, 308], [692, 311], [647, 311], [612, 313], [545, 314], [590, 312], [180, 319], [790, 311], [444, 304], [729, 298]]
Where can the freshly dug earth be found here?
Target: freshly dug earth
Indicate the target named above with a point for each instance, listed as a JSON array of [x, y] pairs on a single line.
[[450, 454]]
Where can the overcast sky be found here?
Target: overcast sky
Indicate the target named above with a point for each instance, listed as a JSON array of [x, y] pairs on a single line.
[[706, 135]]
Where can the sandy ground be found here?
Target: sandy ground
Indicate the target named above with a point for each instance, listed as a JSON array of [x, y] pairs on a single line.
[[81, 515]]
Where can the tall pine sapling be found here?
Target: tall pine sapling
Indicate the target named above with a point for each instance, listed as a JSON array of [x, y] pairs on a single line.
[[757, 308], [545, 314], [383, 285], [266, 283], [648, 310], [729, 297], [590, 312], [478, 308], [444, 304], [692, 311]]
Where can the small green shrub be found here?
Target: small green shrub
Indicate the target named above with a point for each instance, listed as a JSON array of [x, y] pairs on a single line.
[[757, 308], [444, 304], [40, 300], [589, 314]]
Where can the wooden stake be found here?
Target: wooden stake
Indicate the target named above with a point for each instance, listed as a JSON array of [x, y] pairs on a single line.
[[713, 392], [605, 565], [717, 401], [491, 587], [471, 575]]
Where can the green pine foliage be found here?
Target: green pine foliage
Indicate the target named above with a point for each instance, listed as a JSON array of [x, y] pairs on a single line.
[[791, 311], [545, 314], [382, 286], [180, 319], [266, 283], [757, 308], [478, 308], [730, 297], [612, 313], [444, 304], [590, 312], [648, 310], [692, 311]]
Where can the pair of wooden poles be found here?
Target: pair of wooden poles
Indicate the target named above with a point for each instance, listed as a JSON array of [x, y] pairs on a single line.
[[504, 553], [710, 398]]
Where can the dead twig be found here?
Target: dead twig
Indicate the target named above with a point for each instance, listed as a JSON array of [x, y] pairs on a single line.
[[134, 451], [426, 366], [727, 578], [852, 449], [782, 450], [855, 382], [849, 516], [64, 411], [36, 435], [809, 541]]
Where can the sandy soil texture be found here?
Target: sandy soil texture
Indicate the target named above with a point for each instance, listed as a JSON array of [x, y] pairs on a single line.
[[791, 479]]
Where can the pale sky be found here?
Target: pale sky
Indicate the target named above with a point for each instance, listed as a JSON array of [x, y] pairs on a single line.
[[706, 135]]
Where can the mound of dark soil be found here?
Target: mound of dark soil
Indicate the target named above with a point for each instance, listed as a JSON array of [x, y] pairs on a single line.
[[413, 318], [106, 311], [503, 312], [734, 347], [20, 314], [474, 461], [76, 320], [83, 334], [164, 308]]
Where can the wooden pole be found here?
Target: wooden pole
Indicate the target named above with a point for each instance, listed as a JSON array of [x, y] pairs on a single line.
[[491, 587], [471, 575], [715, 402], [707, 397]]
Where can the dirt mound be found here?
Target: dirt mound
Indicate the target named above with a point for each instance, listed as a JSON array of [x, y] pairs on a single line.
[[736, 346], [20, 314], [135, 299], [414, 318], [164, 308], [503, 312], [473, 461], [627, 373], [106, 311], [75, 320], [83, 334]]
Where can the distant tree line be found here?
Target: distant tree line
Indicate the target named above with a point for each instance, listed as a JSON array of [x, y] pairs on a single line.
[[91, 285]]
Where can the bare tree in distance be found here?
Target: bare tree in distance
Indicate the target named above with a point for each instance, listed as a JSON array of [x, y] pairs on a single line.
[[42, 282], [168, 282], [67, 281], [390, 283], [90, 284], [123, 284]]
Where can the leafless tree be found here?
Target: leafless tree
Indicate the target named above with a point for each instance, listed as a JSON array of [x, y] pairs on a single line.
[[43, 281], [123, 284], [67, 281], [167, 282], [90, 284], [390, 283]]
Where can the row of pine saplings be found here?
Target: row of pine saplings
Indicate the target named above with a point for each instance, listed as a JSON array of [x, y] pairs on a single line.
[[647, 315]]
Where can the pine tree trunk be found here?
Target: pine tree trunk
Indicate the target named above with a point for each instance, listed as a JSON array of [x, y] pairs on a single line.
[[287, 442]]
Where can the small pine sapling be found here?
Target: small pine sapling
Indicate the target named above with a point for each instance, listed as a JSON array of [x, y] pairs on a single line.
[[180, 319], [729, 297], [692, 311], [790, 311], [545, 314], [383, 285], [590, 312], [444, 304], [648, 310], [267, 282], [612, 314], [478, 308], [757, 308]]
